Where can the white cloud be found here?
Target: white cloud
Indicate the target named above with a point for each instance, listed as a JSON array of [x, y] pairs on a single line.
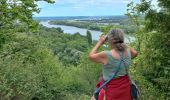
[[43, 4], [80, 4], [127, 1], [92, 2]]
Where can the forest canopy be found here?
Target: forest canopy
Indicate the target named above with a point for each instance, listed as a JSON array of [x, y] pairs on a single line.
[[44, 63]]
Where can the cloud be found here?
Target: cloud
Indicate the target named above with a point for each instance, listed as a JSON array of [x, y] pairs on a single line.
[[126, 1], [83, 7], [83, 3], [89, 3], [42, 4]]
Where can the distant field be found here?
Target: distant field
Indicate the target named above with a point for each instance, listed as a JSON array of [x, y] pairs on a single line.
[[81, 18]]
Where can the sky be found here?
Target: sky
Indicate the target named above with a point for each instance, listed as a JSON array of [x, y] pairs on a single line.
[[83, 8]]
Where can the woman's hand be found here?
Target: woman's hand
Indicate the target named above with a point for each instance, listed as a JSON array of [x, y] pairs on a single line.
[[102, 39], [93, 98]]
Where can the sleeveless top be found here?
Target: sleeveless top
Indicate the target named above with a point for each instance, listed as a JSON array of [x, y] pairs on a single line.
[[110, 68]]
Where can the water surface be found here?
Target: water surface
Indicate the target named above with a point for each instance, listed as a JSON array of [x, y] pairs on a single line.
[[82, 31]]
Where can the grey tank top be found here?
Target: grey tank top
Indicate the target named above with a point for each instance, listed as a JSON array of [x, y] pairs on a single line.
[[110, 68]]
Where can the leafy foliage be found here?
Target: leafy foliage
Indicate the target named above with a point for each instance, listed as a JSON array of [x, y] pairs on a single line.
[[89, 37], [14, 12], [68, 48], [154, 45], [50, 65], [78, 24], [26, 69]]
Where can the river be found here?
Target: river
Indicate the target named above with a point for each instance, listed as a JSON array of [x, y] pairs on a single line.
[[82, 31]]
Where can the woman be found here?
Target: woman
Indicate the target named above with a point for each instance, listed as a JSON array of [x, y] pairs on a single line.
[[119, 87]]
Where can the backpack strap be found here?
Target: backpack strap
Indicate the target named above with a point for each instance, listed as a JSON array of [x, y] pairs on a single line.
[[129, 53]]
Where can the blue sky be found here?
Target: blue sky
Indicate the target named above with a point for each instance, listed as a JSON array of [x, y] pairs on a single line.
[[83, 8]]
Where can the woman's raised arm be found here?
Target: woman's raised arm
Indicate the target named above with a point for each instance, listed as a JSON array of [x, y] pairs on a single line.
[[133, 52], [94, 55]]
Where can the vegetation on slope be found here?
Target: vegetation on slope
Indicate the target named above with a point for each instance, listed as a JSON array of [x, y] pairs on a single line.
[[47, 64]]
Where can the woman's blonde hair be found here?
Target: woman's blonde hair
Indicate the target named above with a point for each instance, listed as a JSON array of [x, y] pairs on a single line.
[[116, 38]]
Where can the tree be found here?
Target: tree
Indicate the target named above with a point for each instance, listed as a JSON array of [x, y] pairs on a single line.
[[16, 15], [89, 37], [15, 12], [154, 43]]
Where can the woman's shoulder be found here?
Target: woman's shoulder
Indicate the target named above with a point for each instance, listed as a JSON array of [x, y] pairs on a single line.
[[107, 52]]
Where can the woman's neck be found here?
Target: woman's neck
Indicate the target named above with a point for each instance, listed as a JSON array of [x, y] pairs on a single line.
[[112, 47]]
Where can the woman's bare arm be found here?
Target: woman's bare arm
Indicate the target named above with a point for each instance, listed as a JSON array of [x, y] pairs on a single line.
[[95, 56], [133, 52]]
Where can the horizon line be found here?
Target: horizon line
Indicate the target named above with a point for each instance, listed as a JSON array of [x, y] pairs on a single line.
[[82, 16]]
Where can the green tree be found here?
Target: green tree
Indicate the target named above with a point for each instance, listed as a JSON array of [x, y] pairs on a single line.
[[16, 15], [154, 43], [15, 12], [89, 37]]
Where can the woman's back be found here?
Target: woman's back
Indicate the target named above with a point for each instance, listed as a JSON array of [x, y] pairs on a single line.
[[111, 67], [117, 88]]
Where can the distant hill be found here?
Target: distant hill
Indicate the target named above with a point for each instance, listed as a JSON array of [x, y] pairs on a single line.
[[80, 18]]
